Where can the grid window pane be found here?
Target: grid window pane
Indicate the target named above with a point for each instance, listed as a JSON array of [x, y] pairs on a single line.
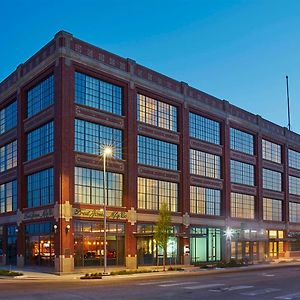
[[294, 185], [294, 212], [156, 113], [157, 153], [8, 196], [271, 151], [8, 117], [40, 141], [153, 193], [272, 180], [242, 206], [241, 141], [8, 156], [40, 96], [205, 201], [205, 164], [204, 129], [89, 187], [272, 209], [294, 159], [40, 188], [99, 94], [89, 137], [241, 172]]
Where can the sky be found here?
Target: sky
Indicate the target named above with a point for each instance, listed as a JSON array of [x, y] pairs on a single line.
[[240, 51]]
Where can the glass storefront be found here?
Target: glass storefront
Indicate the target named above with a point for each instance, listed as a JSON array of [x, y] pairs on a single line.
[[275, 246], [39, 244], [149, 253], [89, 243], [11, 247], [205, 244]]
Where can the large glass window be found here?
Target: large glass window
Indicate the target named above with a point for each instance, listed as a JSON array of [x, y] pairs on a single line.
[[205, 244], [39, 244], [205, 201], [157, 153], [97, 93], [153, 193], [272, 209], [8, 117], [241, 172], [8, 196], [40, 141], [272, 180], [89, 187], [205, 164], [204, 129], [40, 188], [294, 212], [11, 245], [90, 137], [89, 243], [242, 206], [40, 96], [8, 156], [271, 151], [241, 141], [294, 185], [294, 159], [156, 113]]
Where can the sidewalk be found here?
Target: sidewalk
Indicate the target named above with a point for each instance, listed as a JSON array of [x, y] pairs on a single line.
[[44, 273]]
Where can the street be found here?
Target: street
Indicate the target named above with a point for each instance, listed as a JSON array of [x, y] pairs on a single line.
[[278, 283]]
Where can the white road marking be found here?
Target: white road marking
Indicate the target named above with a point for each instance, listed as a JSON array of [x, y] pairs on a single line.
[[268, 275], [177, 284], [203, 286], [290, 296], [233, 288], [261, 292], [155, 282]]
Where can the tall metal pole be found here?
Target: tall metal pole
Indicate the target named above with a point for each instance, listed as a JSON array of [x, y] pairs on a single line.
[[288, 102], [105, 203]]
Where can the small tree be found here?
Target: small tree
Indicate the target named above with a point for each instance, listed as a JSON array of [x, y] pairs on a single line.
[[163, 230]]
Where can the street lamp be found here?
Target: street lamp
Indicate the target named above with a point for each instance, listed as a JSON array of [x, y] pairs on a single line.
[[106, 153]]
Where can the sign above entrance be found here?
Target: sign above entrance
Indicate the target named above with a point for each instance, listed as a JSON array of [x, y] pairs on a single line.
[[39, 214], [99, 213]]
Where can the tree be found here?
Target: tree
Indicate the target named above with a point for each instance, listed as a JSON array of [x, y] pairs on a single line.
[[163, 230]]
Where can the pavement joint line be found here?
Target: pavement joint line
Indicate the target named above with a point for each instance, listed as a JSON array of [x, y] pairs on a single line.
[[289, 296], [261, 292], [203, 286], [177, 284]]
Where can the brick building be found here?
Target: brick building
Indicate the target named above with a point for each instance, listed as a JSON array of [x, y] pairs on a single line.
[[219, 168]]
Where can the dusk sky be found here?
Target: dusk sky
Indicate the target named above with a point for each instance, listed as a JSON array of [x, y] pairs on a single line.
[[240, 51]]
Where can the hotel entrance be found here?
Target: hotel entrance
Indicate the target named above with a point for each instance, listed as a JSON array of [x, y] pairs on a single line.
[[245, 250], [275, 245]]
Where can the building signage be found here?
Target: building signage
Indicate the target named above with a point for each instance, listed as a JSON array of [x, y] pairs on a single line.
[[40, 214], [99, 213]]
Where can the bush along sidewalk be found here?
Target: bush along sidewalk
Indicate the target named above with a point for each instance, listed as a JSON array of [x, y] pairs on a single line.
[[92, 276], [10, 273], [233, 263]]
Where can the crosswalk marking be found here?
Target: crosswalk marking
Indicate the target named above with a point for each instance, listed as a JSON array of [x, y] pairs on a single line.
[[155, 282], [260, 292], [176, 284], [289, 296], [203, 286], [232, 288]]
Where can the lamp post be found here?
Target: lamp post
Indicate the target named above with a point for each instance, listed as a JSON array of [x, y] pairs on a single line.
[[107, 152]]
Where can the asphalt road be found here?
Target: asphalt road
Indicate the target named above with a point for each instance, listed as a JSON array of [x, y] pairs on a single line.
[[280, 283]]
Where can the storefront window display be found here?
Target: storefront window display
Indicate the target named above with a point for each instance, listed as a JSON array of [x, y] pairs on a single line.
[[149, 253], [205, 244], [89, 243], [39, 244]]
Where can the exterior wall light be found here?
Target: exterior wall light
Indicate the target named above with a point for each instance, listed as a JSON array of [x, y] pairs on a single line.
[[55, 228], [68, 228], [228, 233]]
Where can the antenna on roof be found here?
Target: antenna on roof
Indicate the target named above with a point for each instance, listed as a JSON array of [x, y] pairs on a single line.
[[288, 101]]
